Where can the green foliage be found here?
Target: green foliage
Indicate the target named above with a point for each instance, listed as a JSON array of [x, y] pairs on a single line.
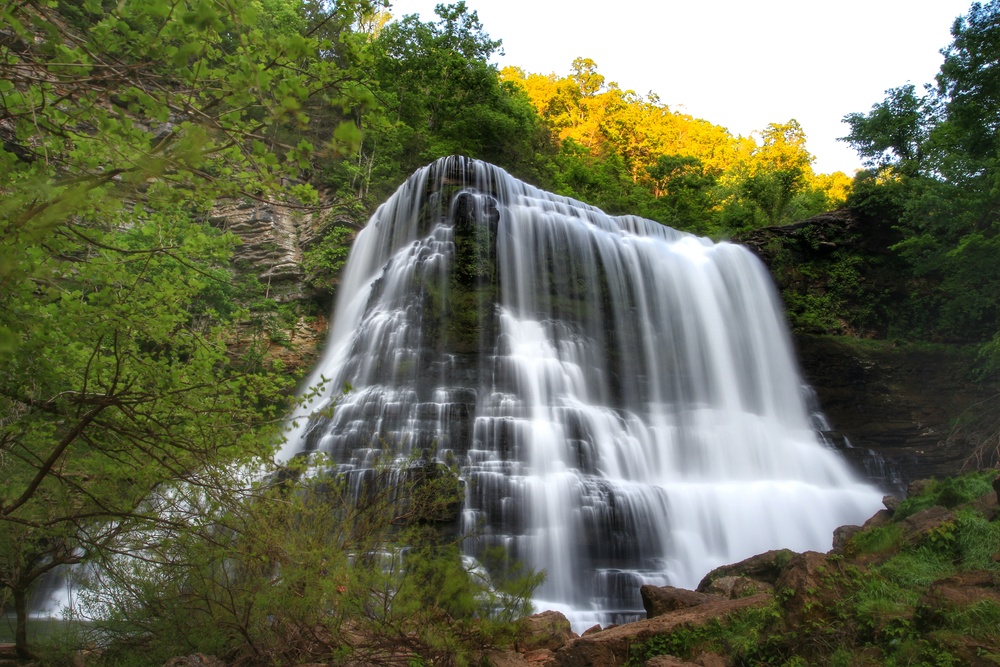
[[439, 95], [934, 171], [325, 259], [125, 365], [950, 492], [877, 540], [308, 565], [751, 636]]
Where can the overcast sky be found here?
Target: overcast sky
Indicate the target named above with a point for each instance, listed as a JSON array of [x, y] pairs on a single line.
[[737, 63]]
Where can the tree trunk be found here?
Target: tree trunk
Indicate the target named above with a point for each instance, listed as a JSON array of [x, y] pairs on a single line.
[[21, 631]]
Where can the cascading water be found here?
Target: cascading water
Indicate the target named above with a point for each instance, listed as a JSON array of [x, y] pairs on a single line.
[[621, 398]]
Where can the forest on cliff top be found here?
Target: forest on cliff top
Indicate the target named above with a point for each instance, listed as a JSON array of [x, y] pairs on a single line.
[[131, 357]]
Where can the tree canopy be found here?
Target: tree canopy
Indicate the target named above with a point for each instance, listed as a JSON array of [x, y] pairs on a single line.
[[933, 165], [621, 150]]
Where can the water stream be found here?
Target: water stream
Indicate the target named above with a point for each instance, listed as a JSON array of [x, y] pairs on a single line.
[[622, 399]]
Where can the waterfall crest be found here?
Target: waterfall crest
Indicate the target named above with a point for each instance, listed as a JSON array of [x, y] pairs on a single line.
[[621, 398]]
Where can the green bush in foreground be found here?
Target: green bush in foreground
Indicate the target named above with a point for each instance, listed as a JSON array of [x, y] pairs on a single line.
[[317, 567]]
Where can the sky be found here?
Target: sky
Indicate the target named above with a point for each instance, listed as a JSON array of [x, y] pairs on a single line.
[[740, 64]]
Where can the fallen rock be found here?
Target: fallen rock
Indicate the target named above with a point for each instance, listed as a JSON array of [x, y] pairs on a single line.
[[547, 630], [539, 657], [919, 525], [659, 600], [880, 518], [703, 660], [765, 567], [668, 661], [987, 505], [958, 591], [733, 587], [610, 647], [507, 659], [710, 660], [843, 534]]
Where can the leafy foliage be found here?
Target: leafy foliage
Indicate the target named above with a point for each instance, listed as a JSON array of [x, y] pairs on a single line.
[[628, 153], [933, 168], [123, 365], [307, 565]]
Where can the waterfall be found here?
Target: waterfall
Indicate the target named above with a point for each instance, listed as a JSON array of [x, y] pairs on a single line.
[[621, 398]]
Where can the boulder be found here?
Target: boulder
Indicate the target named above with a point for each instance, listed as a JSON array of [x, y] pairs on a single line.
[[610, 647], [765, 567], [960, 590], [843, 534], [880, 518], [667, 661], [659, 600], [548, 630], [733, 587], [919, 525]]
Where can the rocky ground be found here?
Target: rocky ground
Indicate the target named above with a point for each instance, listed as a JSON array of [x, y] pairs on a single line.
[[792, 608]]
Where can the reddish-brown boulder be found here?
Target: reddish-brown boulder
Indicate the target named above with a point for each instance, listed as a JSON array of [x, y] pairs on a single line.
[[763, 567], [610, 647], [547, 630], [659, 600]]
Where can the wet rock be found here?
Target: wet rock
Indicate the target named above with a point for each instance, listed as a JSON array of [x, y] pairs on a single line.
[[659, 600], [898, 406]]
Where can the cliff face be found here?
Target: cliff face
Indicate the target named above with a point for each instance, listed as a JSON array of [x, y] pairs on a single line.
[[916, 404], [293, 295], [919, 408]]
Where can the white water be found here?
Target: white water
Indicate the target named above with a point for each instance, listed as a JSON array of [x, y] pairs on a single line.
[[627, 411]]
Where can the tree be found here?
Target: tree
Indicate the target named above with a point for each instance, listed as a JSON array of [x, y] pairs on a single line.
[[309, 565], [122, 124], [934, 161], [439, 95], [773, 173], [893, 133]]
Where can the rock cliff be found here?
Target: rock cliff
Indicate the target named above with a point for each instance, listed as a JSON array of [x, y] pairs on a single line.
[[916, 404]]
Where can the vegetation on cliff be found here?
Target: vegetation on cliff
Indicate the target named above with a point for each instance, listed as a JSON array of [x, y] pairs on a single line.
[[932, 175], [130, 360]]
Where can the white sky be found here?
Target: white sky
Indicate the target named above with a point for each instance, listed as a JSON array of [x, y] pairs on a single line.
[[740, 64]]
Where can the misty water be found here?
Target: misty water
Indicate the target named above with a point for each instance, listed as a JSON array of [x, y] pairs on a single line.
[[621, 399]]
